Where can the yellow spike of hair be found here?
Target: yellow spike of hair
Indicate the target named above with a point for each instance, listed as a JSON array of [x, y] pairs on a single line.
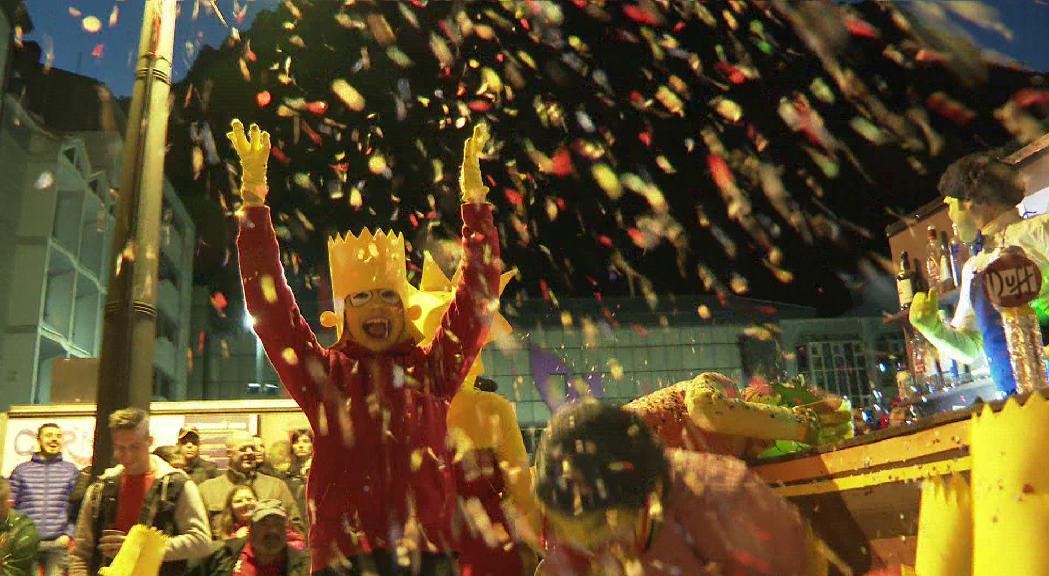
[[364, 262], [945, 529], [1010, 488]]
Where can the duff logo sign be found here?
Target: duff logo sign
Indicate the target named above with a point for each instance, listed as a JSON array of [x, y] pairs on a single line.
[[1012, 279]]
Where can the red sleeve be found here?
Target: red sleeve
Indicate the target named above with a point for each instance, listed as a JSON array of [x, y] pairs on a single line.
[[465, 324], [292, 348], [745, 525]]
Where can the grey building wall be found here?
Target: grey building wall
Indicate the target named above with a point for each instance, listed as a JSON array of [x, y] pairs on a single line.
[[55, 240]]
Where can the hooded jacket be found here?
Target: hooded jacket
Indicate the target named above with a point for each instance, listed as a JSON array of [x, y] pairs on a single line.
[[190, 535], [41, 490], [381, 473]]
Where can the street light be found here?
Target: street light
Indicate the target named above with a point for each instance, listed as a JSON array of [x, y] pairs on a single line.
[[129, 322]]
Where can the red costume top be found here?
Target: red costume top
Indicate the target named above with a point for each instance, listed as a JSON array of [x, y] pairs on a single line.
[[478, 476], [381, 472]]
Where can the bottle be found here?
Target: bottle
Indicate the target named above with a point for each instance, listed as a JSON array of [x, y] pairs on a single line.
[[946, 266], [933, 255], [955, 249], [905, 281]]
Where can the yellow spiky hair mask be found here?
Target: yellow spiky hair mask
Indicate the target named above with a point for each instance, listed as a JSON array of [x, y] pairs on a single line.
[[436, 292], [366, 262]]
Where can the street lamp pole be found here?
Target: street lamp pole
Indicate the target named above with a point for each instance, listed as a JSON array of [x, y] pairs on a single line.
[[125, 376]]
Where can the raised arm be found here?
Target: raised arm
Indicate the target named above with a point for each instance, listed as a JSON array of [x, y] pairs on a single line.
[[464, 326], [300, 362]]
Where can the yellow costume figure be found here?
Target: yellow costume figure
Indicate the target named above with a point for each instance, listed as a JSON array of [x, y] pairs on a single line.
[[491, 462]]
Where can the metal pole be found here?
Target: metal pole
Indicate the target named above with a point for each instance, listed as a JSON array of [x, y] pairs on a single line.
[[125, 376]]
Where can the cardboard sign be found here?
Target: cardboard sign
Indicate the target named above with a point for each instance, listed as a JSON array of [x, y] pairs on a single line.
[[1012, 279]]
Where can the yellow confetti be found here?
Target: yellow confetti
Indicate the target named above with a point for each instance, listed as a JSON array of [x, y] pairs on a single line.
[[289, 356], [670, 101], [269, 288], [348, 94], [417, 459], [703, 311], [728, 109], [377, 163], [607, 180], [355, 198], [615, 368], [91, 24]]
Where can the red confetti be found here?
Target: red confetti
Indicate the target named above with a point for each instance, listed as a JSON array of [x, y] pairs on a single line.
[[860, 28], [279, 155], [413, 220], [479, 105], [319, 107], [311, 133], [1028, 97], [639, 15], [641, 330], [98, 50], [637, 236], [562, 163], [734, 75], [218, 301], [646, 138], [513, 196], [719, 171], [605, 241], [263, 98], [544, 289]]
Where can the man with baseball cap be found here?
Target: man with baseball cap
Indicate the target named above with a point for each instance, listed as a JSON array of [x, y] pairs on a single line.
[[198, 467], [264, 552]]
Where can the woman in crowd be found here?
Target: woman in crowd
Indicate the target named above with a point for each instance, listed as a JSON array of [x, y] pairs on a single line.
[[301, 458], [614, 501], [236, 518]]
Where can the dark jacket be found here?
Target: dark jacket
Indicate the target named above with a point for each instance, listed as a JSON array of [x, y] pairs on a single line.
[[19, 543], [172, 505], [40, 489], [222, 561], [201, 470]]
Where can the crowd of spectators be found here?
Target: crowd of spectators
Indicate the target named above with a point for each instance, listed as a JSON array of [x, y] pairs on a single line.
[[57, 520]]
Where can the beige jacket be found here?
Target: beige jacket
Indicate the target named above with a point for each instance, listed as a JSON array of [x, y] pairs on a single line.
[[194, 537]]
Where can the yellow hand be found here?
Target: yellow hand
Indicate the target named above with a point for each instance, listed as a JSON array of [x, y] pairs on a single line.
[[925, 308], [254, 153], [473, 189]]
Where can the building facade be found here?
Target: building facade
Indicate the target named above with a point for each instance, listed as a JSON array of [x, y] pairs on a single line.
[[56, 228]]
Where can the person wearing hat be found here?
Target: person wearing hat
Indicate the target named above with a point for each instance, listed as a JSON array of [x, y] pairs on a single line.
[[198, 467], [264, 552]]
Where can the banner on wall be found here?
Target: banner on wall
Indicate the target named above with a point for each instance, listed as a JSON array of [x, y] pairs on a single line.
[[78, 435]]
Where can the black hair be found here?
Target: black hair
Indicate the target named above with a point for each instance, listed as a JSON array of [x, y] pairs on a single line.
[[485, 384], [983, 179], [297, 432], [596, 456], [46, 425]]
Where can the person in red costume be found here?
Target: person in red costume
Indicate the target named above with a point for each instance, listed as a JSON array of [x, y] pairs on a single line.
[[380, 491]]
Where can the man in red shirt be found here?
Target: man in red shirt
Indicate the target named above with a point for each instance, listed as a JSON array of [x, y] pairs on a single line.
[[141, 489], [265, 551]]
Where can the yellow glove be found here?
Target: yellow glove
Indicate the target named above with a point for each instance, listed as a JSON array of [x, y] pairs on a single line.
[[254, 153], [925, 309], [960, 345], [473, 190]]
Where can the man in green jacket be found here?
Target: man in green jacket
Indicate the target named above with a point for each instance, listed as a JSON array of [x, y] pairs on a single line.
[[19, 540]]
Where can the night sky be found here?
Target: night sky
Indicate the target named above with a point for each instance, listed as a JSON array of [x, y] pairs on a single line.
[[74, 48], [678, 229]]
